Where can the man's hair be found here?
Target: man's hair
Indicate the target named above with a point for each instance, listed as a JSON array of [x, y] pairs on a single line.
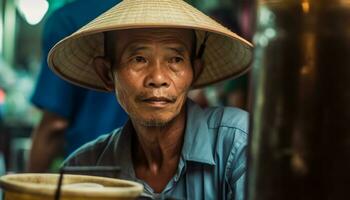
[[109, 47], [110, 53]]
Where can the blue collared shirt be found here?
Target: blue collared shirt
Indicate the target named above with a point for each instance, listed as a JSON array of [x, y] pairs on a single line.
[[212, 163]]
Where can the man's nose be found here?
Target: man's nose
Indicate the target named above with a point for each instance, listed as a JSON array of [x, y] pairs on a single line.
[[157, 76]]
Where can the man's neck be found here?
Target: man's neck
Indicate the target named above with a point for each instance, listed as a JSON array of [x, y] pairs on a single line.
[[156, 147]]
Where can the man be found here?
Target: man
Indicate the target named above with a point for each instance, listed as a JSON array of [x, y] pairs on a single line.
[[151, 53], [71, 115]]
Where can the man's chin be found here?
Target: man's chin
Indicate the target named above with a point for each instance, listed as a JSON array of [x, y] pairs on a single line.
[[155, 122]]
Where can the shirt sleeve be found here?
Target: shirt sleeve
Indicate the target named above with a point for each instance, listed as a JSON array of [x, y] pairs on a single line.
[[51, 93], [236, 167]]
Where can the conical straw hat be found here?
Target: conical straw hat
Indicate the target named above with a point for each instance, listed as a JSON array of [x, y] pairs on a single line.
[[226, 54]]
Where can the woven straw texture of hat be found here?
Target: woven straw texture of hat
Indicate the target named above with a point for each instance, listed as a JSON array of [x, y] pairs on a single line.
[[226, 55]]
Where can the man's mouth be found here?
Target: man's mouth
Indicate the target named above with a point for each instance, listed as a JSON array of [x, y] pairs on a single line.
[[158, 101]]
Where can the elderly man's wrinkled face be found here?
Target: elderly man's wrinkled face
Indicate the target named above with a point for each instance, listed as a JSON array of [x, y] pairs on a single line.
[[152, 73]]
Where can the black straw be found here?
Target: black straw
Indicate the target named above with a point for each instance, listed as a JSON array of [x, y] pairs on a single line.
[[71, 169]]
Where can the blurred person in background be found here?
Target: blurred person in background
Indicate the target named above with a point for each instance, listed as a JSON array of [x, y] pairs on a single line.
[[72, 115]]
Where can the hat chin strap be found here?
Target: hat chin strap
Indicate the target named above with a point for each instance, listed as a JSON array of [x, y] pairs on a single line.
[[200, 55], [202, 47]]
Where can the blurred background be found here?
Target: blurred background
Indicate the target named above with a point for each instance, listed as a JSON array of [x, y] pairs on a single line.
[[21, 28]]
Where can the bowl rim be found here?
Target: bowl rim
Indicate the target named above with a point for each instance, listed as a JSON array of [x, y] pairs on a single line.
[[129, 188]]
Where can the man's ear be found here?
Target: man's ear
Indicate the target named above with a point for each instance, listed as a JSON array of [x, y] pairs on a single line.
[[102, 67], [198, 66]]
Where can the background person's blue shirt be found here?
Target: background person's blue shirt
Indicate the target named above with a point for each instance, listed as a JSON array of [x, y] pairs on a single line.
[[89, 113], [213, 158]]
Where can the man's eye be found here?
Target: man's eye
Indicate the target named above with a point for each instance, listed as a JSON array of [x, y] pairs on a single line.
[[140, 59], [176, 59]]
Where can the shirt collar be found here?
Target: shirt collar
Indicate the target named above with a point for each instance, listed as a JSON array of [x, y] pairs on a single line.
[[118, 152], [196, 145], [122, 152]]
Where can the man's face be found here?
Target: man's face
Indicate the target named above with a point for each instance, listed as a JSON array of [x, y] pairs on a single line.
[[152, 73]]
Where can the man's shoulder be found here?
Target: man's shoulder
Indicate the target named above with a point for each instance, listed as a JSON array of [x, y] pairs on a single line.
[[89, 153], [229, 129], [229, 117]]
